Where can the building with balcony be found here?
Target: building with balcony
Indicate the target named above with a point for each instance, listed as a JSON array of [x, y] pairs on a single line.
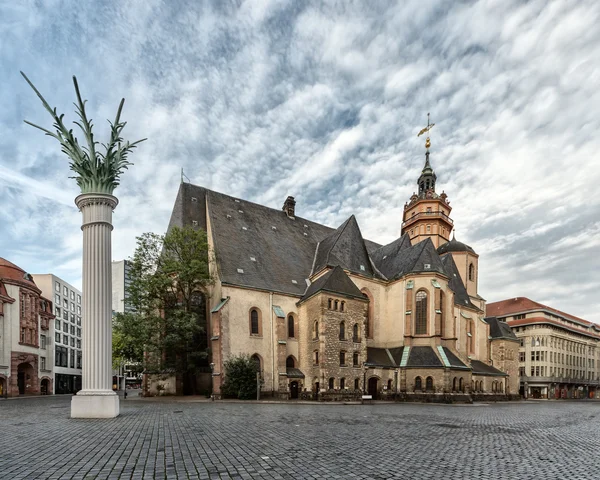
[[67, 331], [25, 334], [559, 353]]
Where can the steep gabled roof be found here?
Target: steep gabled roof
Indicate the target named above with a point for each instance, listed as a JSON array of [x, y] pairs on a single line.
[[390, 250], [334, 281], [500, 329], [345, 248], [461, 297], [418, 258]]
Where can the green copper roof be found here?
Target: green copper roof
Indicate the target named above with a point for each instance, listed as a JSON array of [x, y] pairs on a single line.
[[443, 356], [404, 360], [278, 311], [220, 305]]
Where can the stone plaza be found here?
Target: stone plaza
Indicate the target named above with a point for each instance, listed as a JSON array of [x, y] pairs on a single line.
[[193, 438]]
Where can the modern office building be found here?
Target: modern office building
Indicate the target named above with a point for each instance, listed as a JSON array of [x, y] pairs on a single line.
[[120, 283], [67, 331], [25, 334], [559, 354]]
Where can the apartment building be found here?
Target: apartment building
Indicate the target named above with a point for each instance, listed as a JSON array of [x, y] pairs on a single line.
[[120, 283], [67, 331], [559, 353]]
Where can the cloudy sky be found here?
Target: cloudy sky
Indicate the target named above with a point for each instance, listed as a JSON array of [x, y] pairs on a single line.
[[322, 101]]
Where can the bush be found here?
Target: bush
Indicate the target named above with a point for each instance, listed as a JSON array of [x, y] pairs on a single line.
[[240, 377]]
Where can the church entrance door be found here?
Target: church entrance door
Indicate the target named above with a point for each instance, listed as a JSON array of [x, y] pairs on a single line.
[[373, 387], [294, 390]]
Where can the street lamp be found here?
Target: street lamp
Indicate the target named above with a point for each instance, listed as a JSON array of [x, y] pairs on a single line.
[[365, 368]]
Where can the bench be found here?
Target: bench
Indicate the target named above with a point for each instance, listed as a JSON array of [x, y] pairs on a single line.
[[367, 398]]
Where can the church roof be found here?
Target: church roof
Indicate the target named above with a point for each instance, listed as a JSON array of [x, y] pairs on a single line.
[[345, 248], [454, 246], [334, 281], [421, 257], [264, 248], [499, 329], [480, 368], [11, 273], [461, 297]]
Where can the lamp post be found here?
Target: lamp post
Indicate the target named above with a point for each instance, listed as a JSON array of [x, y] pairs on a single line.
[[364, 378]]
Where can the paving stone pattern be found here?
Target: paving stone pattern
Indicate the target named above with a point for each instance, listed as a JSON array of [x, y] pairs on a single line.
[[210, 440]]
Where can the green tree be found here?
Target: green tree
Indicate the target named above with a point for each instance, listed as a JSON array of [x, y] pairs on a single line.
[[240, 377], [169, 276]]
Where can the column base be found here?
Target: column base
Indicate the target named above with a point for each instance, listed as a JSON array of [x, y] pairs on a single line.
[[101, 405]]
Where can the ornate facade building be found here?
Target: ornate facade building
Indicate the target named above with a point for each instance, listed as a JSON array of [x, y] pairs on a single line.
[[559, 353], [329, 315], [25, 334]]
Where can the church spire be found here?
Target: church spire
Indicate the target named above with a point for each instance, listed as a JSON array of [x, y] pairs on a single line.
[[427, 179]]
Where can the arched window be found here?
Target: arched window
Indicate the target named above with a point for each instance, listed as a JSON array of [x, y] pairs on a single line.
[[356, 384], [471, 272], [329, 303], [291, 332], [501, 387], [421, 313], [454, 384], [370, 313], [418, 384], [355, 359], [472, 386], [255, 327], [316, 329], [290, 362], [470, 332], [331, 383], [429, 384], [355, 337], [442, 310], [316, 357], [342, 331], [461, 385], [336, 305], [389, 385], [342, 306], [342, 383], [342, 358], [257, 361]]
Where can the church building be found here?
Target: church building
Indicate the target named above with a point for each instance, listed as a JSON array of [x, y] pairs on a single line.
[[329, 315]]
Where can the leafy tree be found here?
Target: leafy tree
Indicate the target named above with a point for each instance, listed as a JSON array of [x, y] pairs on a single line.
[[169, 276], [240, 377]]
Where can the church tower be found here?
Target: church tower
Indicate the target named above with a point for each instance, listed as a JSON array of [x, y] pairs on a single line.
[[426, 215]]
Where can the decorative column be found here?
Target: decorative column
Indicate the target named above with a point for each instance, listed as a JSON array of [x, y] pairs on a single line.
[[96, 399]]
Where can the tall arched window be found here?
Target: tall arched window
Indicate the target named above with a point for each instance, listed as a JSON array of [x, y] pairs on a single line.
[[291, 332], [342, 358], [421, 313], [470, 333], [461, 385], [316, 329], [342, 331], [290, 362], [454, 384], [429, 384], [418, 383], [355, 337], [316, 357], [355, 359], [331, 383], [442, 310], [342, 383], [336, 303], [471, 272], [254, 322], [356, 384], [370, 313]]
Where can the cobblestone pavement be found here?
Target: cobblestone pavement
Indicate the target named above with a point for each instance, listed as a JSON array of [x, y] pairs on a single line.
[[177, 439]]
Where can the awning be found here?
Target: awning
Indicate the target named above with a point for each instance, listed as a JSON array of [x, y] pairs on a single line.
[[220, 305], [294, 373]]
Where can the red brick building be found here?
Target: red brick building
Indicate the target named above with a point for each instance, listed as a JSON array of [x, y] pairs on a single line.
[[25, 324]]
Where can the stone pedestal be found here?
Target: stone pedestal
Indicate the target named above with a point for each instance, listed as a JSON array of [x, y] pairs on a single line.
[[96, 399]]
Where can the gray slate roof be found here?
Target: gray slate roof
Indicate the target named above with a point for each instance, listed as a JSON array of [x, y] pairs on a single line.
[[480, 368], [345, 248], [379, 357], [412, 259], [500, 329], [423, 357], [461, 297], [454, 246], [335, 281], [261, 247], [455, 362]]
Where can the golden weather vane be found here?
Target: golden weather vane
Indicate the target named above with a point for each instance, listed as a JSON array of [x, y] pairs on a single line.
[[426, 130]]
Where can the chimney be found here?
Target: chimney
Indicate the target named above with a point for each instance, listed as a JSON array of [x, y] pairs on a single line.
[[289, 206]]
